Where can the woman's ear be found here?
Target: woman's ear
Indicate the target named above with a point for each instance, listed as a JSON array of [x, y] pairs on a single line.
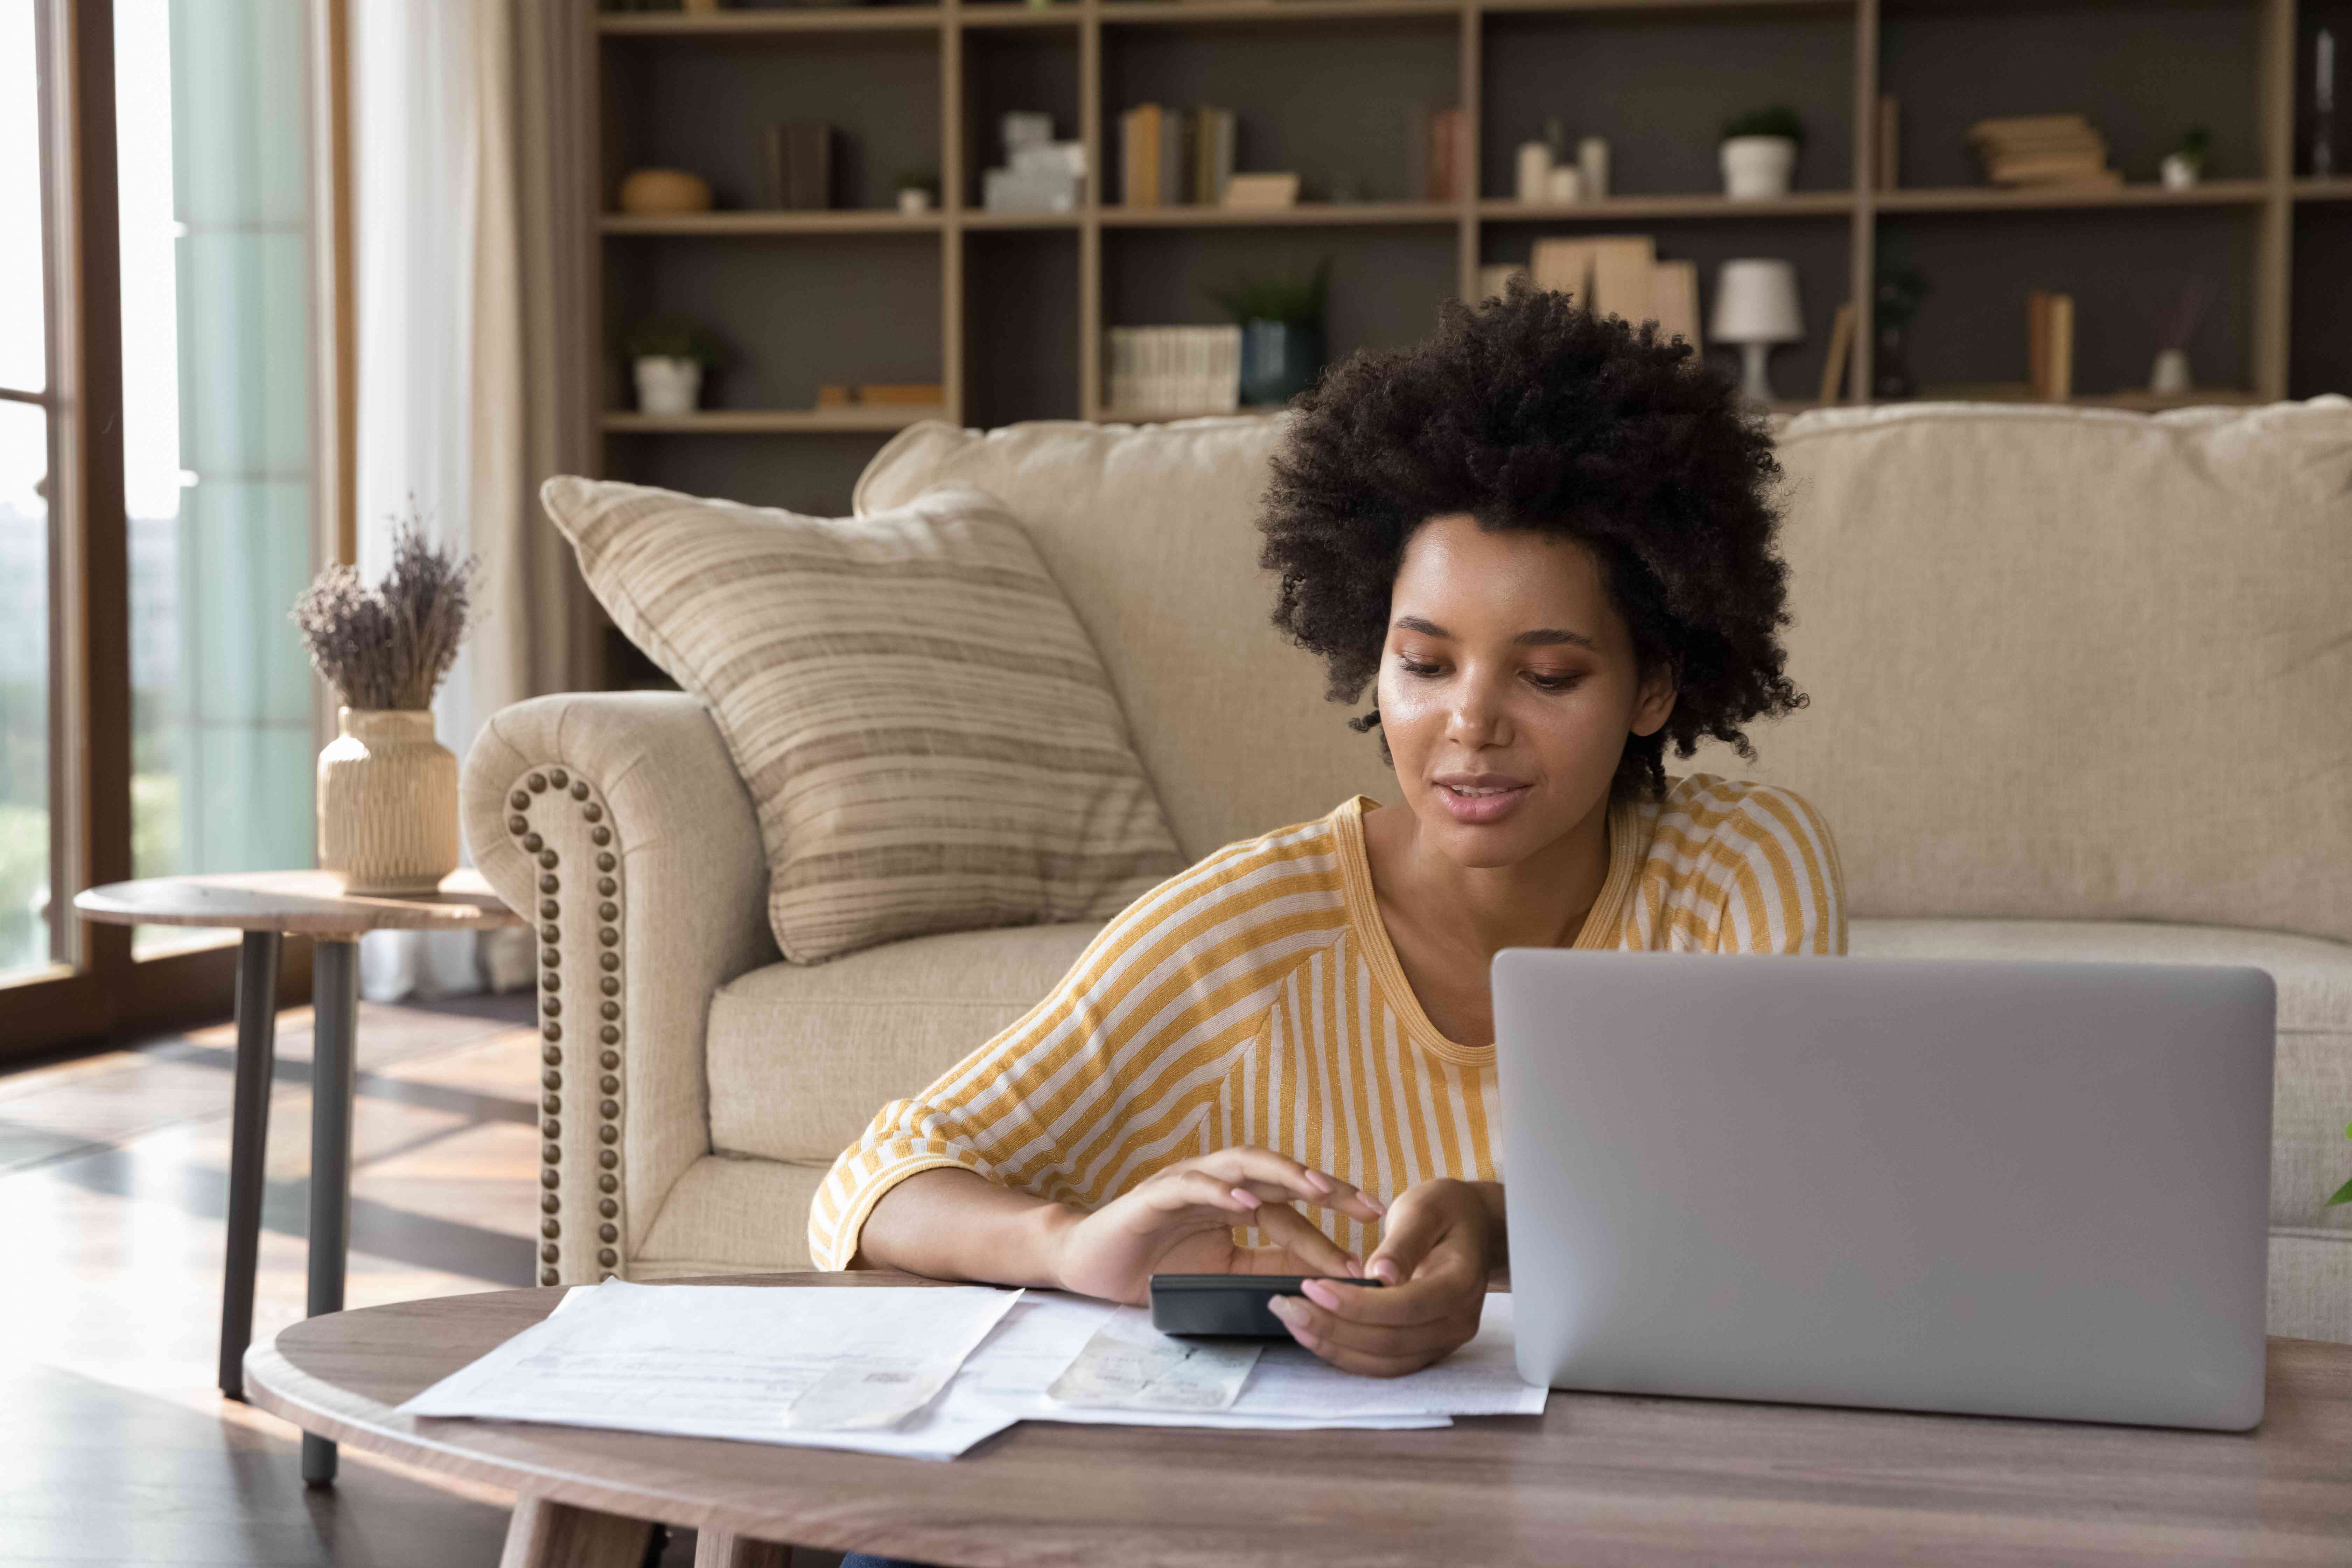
[[1654, 702]]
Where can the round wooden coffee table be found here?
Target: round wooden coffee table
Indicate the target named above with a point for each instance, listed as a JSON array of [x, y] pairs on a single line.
[[1595, 1478], [269, 906]]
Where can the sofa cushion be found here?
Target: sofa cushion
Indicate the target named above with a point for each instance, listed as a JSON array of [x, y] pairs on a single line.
[[2312, 1098], [926, 734], [800, 1058], [1152, 532], [2075, 663]]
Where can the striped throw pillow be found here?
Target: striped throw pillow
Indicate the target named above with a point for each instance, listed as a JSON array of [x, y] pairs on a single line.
[[925, 729]]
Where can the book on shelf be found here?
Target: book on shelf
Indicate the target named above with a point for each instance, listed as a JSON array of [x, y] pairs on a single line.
[[2050, 345], [1266, 190], [1171, 157], [2042, 149], [883, 395], [1619, 275], [800, 165], [1436, 154], [1174, 370], [1889, 154]]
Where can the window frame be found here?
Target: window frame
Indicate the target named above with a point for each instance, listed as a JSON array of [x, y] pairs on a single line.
[[95, 991]]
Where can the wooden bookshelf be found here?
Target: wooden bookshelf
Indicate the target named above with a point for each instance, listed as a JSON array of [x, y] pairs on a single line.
[[1008, 311]]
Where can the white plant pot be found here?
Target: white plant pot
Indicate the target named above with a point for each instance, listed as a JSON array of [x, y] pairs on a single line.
[[388, 803], [1758, 167], [666, 385], [2170, 377], [2178, 174], [913, 201]]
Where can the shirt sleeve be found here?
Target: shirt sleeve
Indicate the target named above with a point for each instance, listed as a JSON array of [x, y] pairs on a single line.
[[1776, 885], [1111, 1076]]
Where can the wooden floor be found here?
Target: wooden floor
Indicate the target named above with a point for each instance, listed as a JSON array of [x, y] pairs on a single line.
[[115, 1446]]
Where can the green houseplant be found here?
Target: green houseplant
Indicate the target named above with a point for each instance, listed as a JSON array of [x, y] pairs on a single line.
[[668, 355], [1283, 347]]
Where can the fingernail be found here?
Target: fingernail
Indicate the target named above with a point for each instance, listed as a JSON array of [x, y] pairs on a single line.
[[1248, 1198], [1386, 1270], [1283, 1306], [1322, 1295], [1377, 1206], [1356, 1267], [1319, 1181]]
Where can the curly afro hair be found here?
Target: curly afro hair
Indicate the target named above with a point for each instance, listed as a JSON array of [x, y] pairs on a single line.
[[1529, 411]]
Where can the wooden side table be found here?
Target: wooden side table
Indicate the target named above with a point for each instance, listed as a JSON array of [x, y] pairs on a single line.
[[268, 907]]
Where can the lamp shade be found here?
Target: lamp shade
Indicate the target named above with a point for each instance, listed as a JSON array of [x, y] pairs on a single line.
[[1756, 302]]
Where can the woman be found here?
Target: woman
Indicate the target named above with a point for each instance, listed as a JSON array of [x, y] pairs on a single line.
[[1545, 541]]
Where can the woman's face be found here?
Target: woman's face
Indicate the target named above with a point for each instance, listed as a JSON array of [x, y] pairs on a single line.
[[1506, 689]]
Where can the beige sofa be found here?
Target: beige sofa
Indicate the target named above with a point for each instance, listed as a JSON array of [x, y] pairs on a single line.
[[2038, 641]]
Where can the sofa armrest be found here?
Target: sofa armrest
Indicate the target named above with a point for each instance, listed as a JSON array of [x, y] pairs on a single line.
[[618, 824]]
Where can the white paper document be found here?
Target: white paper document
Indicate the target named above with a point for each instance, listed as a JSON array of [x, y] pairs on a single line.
[[927, 1371], [836, 1368], [1128, 1364]]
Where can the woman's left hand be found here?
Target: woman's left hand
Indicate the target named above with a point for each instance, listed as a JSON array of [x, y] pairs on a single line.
[[1436, 1248]]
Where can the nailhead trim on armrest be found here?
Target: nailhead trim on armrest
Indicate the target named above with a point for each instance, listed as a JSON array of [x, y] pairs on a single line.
[[549, 785]]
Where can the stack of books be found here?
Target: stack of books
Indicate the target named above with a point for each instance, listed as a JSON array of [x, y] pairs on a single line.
[[800, 165], [1620, 275], [1443, 152], [2042, 149], [1175, 370], [1175, 157]]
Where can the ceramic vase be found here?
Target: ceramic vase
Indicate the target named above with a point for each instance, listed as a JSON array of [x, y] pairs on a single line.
[[1279, 358], [388, 803], [1758, 167]]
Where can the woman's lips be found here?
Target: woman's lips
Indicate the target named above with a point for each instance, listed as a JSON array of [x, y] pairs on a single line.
[[1480, 801]]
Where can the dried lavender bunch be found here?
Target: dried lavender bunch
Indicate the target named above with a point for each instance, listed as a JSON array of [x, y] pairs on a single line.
[[389, 647]]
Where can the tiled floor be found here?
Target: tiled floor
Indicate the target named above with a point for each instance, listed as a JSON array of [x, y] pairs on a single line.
[[115, 1446]]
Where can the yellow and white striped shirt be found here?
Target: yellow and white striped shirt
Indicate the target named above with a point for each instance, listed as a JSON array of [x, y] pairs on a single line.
[[1255, 999]]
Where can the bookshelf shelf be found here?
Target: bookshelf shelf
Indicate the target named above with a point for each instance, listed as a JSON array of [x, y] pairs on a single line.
[[1201, 13], [1988, 199], [740, 24], [770, 421], [1306, 214], [1797, 203], [876, 220], [1008, 311]]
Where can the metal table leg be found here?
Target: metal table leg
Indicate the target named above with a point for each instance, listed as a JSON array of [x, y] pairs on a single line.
[[335, 1002], [257, 1036]]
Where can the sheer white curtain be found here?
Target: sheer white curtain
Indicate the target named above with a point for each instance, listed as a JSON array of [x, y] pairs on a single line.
[[440, 372]]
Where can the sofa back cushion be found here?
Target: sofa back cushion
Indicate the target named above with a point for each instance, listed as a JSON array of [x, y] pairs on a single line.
[[926, 734], [2063, 663], [2074, 662], [1151, 530]]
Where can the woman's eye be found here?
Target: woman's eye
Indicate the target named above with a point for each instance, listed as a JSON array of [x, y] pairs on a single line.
[[1554, 682], [1414, 667]]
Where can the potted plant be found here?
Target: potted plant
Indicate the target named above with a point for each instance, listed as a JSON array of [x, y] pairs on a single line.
[[667, 356], [1760, 153], [387, 789], [2184, 166], [1282, 332], [919, 191]]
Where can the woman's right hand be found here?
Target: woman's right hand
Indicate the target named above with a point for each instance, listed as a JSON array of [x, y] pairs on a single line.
[[1181, 1221]]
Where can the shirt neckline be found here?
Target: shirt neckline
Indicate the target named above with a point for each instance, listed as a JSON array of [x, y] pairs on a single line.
[[1601, 928]]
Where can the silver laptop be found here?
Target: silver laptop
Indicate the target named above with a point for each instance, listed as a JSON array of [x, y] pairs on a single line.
[[1999, 1188]]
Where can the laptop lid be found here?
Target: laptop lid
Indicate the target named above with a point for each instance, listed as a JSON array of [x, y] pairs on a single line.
[[2002, 1188]]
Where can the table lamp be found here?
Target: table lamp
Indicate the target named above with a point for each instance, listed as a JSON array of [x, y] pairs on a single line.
[[1756, 307]]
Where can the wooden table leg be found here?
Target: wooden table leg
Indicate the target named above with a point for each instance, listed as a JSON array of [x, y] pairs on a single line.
[[725, 1549], [256, 1038], [334, 1021], [545, 1534]]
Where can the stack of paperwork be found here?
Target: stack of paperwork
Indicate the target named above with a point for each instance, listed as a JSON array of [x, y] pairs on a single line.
[[927, 1372]]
